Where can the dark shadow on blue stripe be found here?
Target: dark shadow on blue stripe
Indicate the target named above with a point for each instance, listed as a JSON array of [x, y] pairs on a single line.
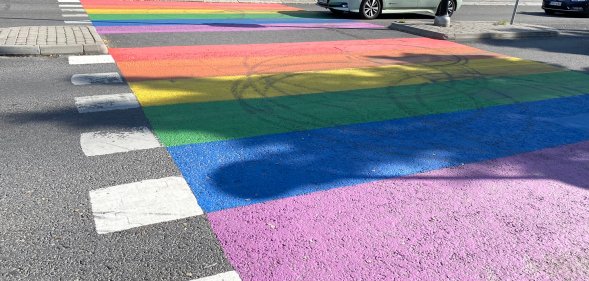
[[241, 172]]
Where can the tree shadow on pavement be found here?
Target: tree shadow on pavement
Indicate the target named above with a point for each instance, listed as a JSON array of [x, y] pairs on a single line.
[[269, 140], [569, 42]]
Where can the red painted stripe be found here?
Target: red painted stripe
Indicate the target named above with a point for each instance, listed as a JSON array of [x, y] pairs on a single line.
[[114, 4]]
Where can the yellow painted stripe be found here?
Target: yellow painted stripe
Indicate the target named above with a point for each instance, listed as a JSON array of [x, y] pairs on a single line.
[[174, 11], [174, 91]]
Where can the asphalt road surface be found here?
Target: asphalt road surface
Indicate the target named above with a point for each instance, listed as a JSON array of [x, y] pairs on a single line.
[[296, 180]]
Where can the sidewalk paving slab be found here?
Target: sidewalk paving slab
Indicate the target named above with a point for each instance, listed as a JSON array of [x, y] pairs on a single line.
[[474, 30], [51, 40]]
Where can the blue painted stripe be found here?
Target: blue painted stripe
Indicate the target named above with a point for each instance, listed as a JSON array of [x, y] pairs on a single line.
[[241, 172], [212, 21]]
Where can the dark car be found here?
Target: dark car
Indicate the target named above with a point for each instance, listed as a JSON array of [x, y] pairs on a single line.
[[576, 6]]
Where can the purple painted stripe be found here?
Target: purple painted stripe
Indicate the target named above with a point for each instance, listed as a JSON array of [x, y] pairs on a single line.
[[521, 217], [212, 28]]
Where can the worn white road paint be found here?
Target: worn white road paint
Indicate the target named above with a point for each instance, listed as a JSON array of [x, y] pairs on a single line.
[[102, 143], [78, 22], [106, 102], [91, 59], [70, 6], [75, 15], [142, 203], [97, 78], [72, 10], [68, 1], [225, 276]]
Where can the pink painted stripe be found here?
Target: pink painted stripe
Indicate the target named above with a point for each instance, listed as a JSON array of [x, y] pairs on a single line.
[[209, 28], [522, 217]]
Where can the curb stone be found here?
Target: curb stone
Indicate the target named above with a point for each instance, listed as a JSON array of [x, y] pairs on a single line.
[[19, 50]]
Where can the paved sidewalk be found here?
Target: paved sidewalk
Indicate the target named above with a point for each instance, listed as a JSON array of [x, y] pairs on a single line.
[[502, 2], [50, 40]]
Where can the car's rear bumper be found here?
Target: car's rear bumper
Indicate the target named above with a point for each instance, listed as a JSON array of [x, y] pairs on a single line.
[[338, 5], [566, 6]]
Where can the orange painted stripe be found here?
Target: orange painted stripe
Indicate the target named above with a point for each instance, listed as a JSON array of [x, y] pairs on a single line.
[[231, 66]]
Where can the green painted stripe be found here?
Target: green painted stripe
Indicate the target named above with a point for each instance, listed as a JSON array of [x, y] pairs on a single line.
[[206, 122], [311, 15]]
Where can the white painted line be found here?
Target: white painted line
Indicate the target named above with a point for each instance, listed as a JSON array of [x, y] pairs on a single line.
[[78, 22], [91, 59], [142, 203], [74, 15], [225, 276], [72, 10], [102, 143], [97, 78], [106, 103], [68, 1], [70, 6]]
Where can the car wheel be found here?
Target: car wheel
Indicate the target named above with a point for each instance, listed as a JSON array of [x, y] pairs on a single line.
[[370, 9], [451, 7], [549, 12]]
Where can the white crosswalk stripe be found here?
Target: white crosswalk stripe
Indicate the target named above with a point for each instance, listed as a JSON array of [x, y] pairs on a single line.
[[225, 276], [103, 143], [74, 15], [90, 59], [97, 78], [106, 103], [72, 10], [77, 22], [127, 206]]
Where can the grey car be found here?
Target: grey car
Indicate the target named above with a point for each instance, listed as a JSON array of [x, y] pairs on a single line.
[[371, 9]]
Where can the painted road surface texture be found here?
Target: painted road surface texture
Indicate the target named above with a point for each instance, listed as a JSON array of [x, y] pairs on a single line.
[[372, 159], [116, 16]]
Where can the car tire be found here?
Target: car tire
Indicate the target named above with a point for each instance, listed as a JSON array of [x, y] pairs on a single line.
[[370, 9], [549, 12], [451, 7]]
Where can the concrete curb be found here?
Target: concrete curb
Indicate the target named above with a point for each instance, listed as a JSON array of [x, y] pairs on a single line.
[[488, 30], [19, 50], [46, 50]]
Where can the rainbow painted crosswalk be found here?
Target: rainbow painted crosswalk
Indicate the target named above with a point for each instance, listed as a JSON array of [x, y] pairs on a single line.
[[116, 16], [294, 148], [374, 159], [230, 113]]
